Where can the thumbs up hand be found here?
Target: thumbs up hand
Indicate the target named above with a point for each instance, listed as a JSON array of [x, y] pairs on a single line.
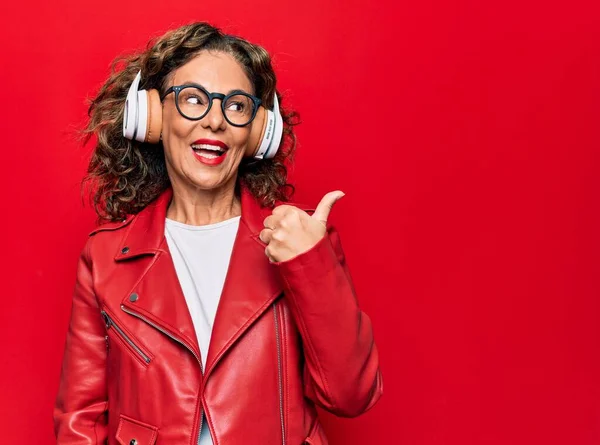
[[290, 231]]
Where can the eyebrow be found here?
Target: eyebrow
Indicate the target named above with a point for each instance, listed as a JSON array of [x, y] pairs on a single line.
[[237, 90]]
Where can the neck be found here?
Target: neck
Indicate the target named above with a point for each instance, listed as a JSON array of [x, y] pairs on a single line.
[[200, 207]]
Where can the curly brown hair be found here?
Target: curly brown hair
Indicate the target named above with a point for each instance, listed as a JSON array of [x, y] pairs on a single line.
[[127, 175]]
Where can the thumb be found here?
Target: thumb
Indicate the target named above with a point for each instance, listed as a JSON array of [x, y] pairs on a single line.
[[322, 211]]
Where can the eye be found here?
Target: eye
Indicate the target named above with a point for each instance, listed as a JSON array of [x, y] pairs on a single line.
[[239, 104], [235, 106], [192, 97], [194, 100]]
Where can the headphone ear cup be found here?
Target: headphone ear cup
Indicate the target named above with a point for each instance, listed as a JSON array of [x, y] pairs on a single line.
[[272, 132], [257, 133], [154, 119]]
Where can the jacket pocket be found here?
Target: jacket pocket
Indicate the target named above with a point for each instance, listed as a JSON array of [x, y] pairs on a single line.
[[125, 339], [134, 432]]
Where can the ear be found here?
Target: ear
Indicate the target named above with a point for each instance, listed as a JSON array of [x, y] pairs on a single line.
[[257, 132]]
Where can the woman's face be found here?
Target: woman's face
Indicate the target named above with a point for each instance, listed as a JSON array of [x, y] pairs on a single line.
[[189, 165]]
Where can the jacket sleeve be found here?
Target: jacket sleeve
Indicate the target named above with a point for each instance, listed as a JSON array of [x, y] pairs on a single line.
[[80, 411], [341, 372]]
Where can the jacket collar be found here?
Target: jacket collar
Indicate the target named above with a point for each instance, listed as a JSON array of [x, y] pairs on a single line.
[[145, 234], [252, 283]]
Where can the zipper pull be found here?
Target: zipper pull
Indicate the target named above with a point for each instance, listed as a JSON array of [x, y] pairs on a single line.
[[107, 320]]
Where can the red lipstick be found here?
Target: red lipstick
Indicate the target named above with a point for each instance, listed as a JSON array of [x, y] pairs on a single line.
[[209, 151]]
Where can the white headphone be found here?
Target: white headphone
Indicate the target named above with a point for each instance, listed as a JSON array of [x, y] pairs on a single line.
[[143, 121]]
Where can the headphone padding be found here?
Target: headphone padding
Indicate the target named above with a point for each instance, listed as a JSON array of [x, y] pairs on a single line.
[[154, 122], [142, 116], [257, 133]]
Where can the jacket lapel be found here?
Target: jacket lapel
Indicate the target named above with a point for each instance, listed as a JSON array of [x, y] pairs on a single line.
[[251, 284], [159, 299]]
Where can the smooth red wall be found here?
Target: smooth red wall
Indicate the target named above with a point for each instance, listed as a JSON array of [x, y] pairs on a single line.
[[465, 134]]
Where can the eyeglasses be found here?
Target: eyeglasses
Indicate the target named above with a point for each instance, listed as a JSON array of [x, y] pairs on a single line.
[[193, 102]]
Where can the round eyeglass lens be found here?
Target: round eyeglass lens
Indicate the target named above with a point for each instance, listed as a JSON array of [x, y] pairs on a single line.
[[239, 109], [193, 102]]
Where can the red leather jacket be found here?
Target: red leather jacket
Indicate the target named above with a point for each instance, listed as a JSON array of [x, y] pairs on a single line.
[[286, 336]]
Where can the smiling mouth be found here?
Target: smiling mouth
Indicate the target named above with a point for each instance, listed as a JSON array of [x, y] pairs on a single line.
[[208, 151]]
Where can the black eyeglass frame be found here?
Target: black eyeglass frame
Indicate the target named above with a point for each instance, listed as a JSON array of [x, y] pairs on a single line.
[[211, 96]]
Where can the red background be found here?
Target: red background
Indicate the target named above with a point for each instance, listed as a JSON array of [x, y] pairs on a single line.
[[465, 135]]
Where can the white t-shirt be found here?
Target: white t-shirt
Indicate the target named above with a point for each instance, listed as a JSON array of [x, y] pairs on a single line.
[[201, 256]]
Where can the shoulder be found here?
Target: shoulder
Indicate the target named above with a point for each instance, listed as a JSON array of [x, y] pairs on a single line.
[[111, 226], [104, 241]]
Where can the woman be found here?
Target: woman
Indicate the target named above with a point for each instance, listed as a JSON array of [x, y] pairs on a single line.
[[201, 249]]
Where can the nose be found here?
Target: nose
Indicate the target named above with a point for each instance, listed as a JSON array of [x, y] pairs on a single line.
[[214, 119]]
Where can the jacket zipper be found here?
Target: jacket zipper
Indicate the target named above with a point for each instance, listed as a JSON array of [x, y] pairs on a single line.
[[111, 323], [181, 343], [279, 371]]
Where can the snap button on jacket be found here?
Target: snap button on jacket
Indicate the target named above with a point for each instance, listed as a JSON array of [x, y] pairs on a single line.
[[287, 336]]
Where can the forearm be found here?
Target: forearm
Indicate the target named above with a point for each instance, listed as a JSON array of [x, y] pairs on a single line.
[[342, 365]]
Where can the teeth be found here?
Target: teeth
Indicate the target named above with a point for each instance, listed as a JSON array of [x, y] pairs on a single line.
[[206, 147], [208, 156]]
